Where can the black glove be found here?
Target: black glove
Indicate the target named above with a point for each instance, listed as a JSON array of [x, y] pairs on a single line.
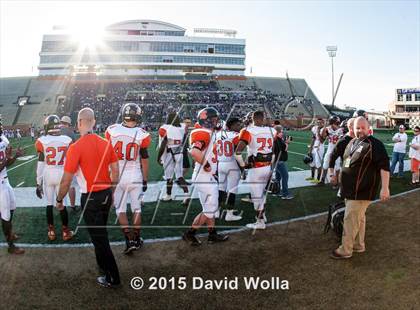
[[39, 192], [144, 186]]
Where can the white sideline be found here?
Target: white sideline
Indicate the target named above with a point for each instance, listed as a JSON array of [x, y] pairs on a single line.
[[25, 196], [85, 245]]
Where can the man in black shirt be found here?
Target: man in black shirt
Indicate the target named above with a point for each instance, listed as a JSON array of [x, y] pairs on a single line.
[[365, 168]]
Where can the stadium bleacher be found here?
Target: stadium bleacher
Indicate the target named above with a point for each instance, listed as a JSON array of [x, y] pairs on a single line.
[[158, 97]]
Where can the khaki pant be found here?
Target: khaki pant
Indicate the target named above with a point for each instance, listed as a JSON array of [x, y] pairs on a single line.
[[354, 226]]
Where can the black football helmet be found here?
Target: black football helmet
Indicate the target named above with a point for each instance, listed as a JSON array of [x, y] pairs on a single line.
[[173, 119], [131, 112], [208, 118], [52, 124], [308, 159], [334, 120], [358, 113]]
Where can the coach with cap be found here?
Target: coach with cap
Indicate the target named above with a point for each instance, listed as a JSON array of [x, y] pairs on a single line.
[[365, 168], [95, 164]]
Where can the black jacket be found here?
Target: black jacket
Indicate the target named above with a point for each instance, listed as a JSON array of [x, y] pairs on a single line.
[[360, 174], [280, 148]]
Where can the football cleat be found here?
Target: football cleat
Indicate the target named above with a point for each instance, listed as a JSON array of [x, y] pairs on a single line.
[[51, 233], [259, 224], [67, 234], [191, 238], [215, 237], [309, 179], [230, 217], [15, 250], [138, 243], [130, 246], [167, 198], [315, 181]]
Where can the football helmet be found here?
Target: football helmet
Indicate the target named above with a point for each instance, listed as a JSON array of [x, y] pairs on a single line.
[[358, 113], [131, 112], [248, 119], [173, 119], [208, 118], [52, 124], [344, 126], [308, 159], [334, 120]]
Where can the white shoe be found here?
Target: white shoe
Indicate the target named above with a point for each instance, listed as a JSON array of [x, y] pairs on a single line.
[[264, 218], [257, 225], [167, 198], [230, 217]]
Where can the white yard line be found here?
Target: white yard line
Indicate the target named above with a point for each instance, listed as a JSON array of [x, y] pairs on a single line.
[[297, 168], [13, 168], [21, 183], [296, 153]]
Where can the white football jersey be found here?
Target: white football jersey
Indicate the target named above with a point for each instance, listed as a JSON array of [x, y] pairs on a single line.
[[4, 143], [174, 136], [333, 136], [260, 139], [127, 143], [226, 142], [316, 131], [204, 139], [54, 149]]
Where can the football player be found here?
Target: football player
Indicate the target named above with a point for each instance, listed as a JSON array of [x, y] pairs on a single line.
[[170, 154], [52, 149], [7, 197], [130, 143], [259, 140], [203, 152], [228, 170], [332, 132], [316, 149]]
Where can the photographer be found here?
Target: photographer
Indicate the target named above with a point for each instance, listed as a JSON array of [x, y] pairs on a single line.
[[281, 173]]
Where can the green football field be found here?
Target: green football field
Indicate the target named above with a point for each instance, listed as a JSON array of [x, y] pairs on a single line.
[[23, 172], [169, 219]]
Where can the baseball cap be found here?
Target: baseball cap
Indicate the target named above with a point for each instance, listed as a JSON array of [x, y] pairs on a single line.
[[66, 119]]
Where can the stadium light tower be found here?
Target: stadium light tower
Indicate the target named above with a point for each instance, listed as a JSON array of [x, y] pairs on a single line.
[[332, 52]]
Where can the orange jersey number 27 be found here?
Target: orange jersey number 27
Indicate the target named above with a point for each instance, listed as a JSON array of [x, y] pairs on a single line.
[[53, 156]]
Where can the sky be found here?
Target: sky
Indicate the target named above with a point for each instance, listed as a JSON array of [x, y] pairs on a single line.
[[378, 41]]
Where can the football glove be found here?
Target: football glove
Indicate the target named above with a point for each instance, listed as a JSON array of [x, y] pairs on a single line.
[[39, 192], [144, 186]]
